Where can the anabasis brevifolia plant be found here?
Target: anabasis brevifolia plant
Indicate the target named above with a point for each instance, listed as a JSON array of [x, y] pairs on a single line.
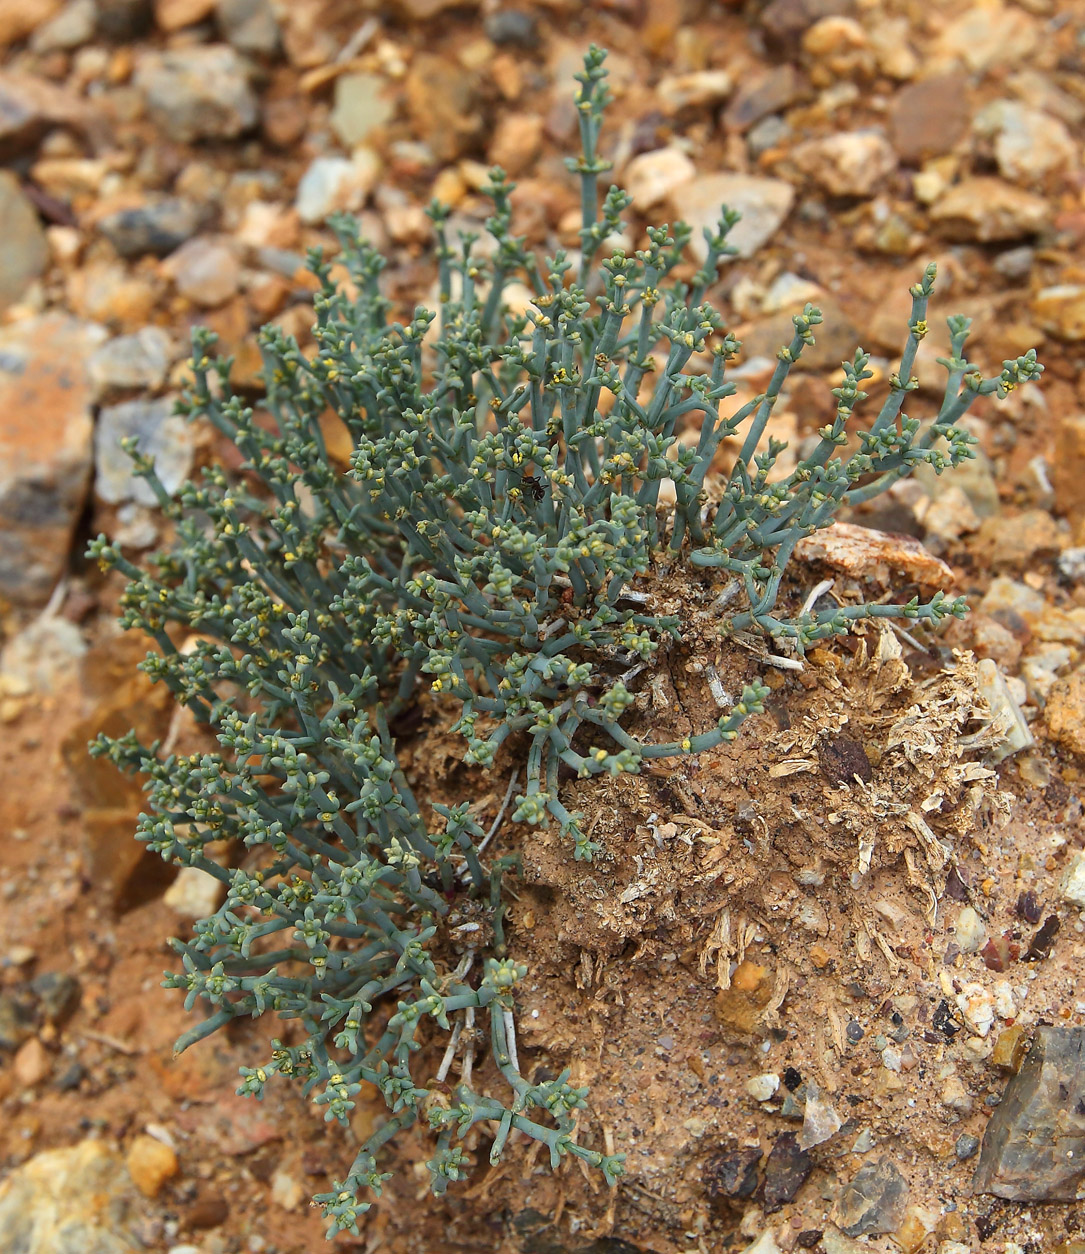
[[501, 503]]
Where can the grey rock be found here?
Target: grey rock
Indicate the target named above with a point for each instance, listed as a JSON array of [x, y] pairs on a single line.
[[133, 361], [249, 25], [764, 204], [68, 1201], [966, 1146], [58, 994], [16, 1019], [162, 435], [157, 227], [835, 338], [197, 93], [1015, 264], [24, 252], [1071, 564], [758, 97], [1034, 1146], [72, 27], [43, 657], [512, 27], [786, 1171], [874, 1201], [766, 134], [206, 271]]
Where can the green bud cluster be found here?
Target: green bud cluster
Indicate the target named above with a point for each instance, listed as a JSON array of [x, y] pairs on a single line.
[[502, 500]]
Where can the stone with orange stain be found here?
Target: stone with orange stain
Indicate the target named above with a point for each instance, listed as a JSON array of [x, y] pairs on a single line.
[[151, 1163], [739, 1007], [46, 394], [862, 553]]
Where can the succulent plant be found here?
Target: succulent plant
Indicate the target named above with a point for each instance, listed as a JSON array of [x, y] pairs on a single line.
[[494, 541]]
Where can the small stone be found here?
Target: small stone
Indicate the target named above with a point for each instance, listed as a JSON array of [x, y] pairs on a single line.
[[1065, 712], [653, 176], [1034, 1145], [760, 95], [1015, 264], [172, 15], [874, 1202], [157, 227], [72, 27], [841, 759], [954, 1096], [205, 271], [151, 1163], [969, 931], [43, 657], [732, 1172], [336, 184], [1072, 883], [851, 163], [248, 25], [928, 118], [422, 10], [19, 18], [977, 1006], [76, 1199], [197, 93], [863, 553], [361, 107], [31, 1064], [770, 132], [820, 1120], [286, 1191], [765, 1244], [764, 204], [194, 894], [517, 142], [24, 250], [966, 1146], [162, 435], [1005, 711], [512, 27], [1029, 144], [762, 1087], [988, 210], [987, 35], [442, 100], [133, 361], [58, 995], [699, 89], [46, 395], [1060, 311], [786, 1171]]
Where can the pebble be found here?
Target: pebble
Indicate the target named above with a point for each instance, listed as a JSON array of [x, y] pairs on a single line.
[[1064, 713], [874, 1201], [763, 202], [1028, 143], [58, 994], [987, 210], [286, 1191], [770, 132], [78, 1198], [987, 35], [732, 1172], [42, 658], [786, 1170], [653, 176], [966, 1146], [46, 393], [699, 89], [1072, 883], [31, 1064], [150, 1163], [24, 250], [929, 118], [72, 27], [977, 1005], [762, 94], [969, 931], [512, 27], [1060, 311], [194, 894], [517, 141], [762, 1087], [361, 107], [157, 227], [1034, 1145], [862, 552], [1005, 711], [820, 1120], [163, 435], [954, 1096], [853, 163], [766, 1243], [249, 25], [336, 184], [140, 360], [197, 93], [205, 271]]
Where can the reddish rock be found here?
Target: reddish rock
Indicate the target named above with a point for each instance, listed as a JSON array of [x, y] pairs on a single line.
[[1065, 712], [866, 554], [927, 118], [45, 449], [987, 210]]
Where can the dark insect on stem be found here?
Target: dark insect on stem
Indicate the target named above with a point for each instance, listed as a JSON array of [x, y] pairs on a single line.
[[534, 486]]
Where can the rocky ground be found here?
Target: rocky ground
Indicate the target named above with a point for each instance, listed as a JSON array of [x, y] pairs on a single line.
[[798, 1047]]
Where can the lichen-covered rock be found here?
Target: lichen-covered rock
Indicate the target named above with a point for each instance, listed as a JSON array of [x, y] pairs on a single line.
[[1034, 1146]]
